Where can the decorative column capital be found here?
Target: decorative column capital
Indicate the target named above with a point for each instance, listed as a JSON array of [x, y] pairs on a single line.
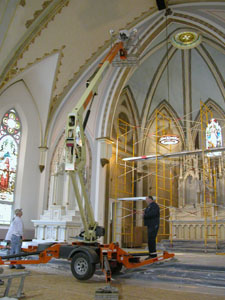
[[43, 150], [106, 149]]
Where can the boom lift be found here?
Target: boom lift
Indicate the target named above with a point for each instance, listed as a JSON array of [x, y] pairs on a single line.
[[85, 254]]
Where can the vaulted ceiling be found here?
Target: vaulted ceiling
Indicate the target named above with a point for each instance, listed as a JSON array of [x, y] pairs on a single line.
[[51, 44]]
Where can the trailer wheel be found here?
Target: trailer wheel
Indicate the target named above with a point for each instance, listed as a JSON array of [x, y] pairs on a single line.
[[116, 268], [81, 266]]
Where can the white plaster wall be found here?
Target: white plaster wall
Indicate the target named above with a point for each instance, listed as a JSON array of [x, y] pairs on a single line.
[[28, 177]]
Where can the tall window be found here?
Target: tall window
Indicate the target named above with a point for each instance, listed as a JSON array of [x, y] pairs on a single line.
[[213, 137], [10, 135]]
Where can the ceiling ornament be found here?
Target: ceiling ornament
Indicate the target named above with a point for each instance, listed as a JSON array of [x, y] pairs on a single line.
[[186, 39], [205, 26]]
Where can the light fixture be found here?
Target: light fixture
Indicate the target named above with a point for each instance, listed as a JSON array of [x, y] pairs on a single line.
[[168, 138]]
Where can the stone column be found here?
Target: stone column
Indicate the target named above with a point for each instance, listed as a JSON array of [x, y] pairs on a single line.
[[139, 204], [43, 227], [35, 231], [103, 201], [56, 228], [60, 184], [55, 188], [64, 230], [117, 228], [186, 60], [51, 191], [66, 190]]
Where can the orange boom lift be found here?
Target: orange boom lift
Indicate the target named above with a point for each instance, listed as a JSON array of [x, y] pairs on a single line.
[[87, 252]]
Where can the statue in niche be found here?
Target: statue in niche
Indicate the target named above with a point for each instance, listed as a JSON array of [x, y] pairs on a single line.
[[191, 189], [189, 184]]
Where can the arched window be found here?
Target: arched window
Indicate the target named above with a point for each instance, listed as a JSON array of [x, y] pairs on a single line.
[[213, 137], [10, 135]]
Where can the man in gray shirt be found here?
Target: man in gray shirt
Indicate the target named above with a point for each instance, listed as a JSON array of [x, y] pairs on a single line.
[[15, 235]]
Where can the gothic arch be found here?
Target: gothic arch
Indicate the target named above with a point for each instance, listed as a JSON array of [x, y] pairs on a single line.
[[10, 138], [166, 109], [126, 110], [157, 26], [28, 179], [217, 112]]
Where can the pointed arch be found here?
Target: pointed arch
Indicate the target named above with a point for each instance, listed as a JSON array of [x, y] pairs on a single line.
[[10, 137], [217, 112], [154, 29], [149, 144], [127, 111]]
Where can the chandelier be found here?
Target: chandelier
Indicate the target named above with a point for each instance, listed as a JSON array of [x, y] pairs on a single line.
[[169, 139]]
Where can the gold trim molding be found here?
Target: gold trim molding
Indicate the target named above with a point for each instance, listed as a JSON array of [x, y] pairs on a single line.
[[47, 15], [37, 13]]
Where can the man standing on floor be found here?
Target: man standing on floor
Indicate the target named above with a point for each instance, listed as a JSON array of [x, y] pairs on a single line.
[[15, 235], [152, 220]]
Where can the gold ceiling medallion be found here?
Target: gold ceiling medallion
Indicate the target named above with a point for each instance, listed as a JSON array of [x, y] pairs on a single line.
[[186, 39]]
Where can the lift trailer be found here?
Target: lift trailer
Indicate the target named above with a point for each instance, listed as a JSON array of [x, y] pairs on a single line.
[[85, 254], [84, 257]]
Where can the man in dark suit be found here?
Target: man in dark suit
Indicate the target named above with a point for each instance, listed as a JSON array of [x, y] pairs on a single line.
[[151, 220]]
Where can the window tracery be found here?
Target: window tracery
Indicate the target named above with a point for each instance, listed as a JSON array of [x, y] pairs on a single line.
[[10, 136]]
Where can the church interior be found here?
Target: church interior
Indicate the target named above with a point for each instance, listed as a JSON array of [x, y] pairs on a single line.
[[144, 82]]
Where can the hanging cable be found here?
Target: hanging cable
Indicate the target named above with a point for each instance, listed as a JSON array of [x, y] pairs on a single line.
[[167, 55], [88, 113]]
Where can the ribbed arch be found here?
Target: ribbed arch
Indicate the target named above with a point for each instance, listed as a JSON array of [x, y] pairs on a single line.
[[154, 83], [10, 137], [217, 112], [213, 69], [144, 52], [126, 109], [149, 143]]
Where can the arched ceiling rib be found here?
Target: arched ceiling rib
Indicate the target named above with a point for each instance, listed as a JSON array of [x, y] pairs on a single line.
[[155, 80], [211, 36], [213, 68], [83, 28]]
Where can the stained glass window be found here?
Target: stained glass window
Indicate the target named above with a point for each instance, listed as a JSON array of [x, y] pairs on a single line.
[[10, 134], [213, 137]]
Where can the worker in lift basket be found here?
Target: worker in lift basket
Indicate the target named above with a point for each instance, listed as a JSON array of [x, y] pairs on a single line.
[[151, 217]]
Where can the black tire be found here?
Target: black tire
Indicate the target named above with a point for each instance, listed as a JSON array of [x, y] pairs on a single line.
[[81, 266], [115, 269]]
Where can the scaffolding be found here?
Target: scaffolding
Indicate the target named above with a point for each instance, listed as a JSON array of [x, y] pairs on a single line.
[[162, 184], [209, 180], [123, 221], [163, 177]]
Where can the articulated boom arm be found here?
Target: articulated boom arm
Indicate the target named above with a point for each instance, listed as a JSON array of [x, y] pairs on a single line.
[[76, 149]]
